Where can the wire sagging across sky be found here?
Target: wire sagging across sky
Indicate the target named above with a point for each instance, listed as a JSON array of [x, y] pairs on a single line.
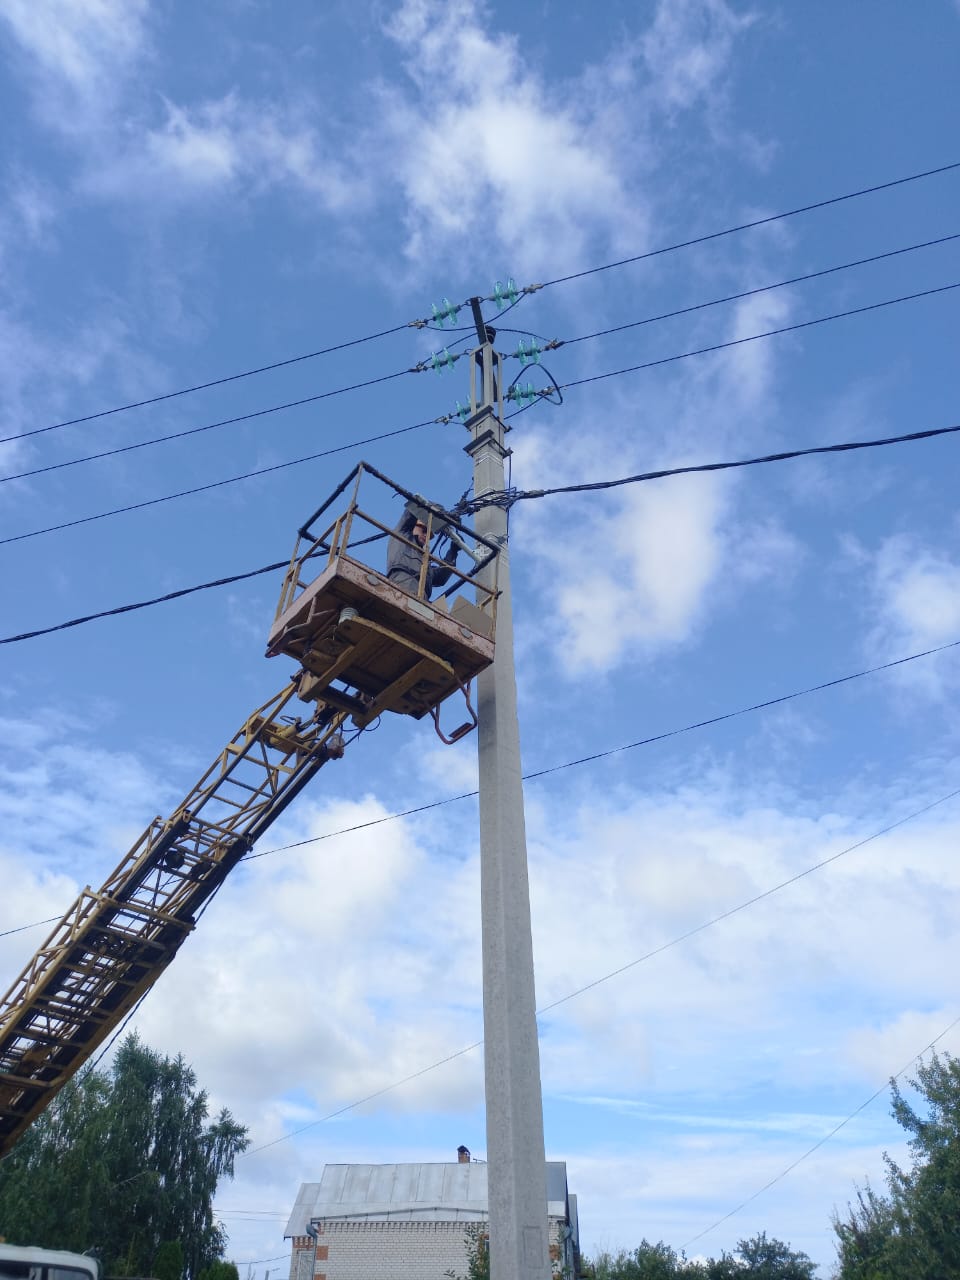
[[425, 323], [897, 1075], [506, 497], [624, 968], [615, 373], [604, 754], [194, 432]]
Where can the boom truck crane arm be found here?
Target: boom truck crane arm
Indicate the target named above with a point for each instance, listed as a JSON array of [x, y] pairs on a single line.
[[363, 647]]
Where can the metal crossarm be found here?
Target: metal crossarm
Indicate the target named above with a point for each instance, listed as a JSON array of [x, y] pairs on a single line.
[[112, 945]]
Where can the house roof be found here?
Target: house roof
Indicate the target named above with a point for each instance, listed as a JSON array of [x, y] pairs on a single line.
[[408, 1192]]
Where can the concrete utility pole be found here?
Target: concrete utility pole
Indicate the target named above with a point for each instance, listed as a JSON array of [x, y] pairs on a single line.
[[516, 1165]]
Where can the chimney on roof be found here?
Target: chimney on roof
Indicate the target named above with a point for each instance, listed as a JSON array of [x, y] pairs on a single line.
[[463, 1155]]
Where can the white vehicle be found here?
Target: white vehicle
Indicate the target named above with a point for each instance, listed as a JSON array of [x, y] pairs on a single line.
[[28, 1263]]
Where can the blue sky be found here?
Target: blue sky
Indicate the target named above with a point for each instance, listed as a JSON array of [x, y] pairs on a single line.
[[189, 193]]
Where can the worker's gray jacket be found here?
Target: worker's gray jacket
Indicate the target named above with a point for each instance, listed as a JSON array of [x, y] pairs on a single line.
[[404, 562]]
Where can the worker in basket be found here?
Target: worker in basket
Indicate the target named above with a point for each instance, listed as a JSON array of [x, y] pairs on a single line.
[[404, 561]]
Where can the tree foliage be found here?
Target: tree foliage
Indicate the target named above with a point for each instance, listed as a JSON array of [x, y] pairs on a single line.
[[912, 1232], [476, 1240], [124, 1162], [168, 1264], [220, 1271], [761, 1258], [646, 1262]]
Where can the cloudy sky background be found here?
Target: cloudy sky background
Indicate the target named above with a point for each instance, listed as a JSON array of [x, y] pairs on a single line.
[[192, 193]]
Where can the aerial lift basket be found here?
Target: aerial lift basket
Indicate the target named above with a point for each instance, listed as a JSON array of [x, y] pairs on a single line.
[[364, 644]]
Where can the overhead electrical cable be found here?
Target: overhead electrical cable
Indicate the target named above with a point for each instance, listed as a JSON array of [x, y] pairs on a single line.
[[827, 1136], [754, 337], [506, 497], [749, 226], [203, 386], [22, 928], [786, 455], [751, 293], [216, 484], [425, 323], [147, 604], [211, 426], [554, 344], [742, 906], [589, 759], [614, 973]]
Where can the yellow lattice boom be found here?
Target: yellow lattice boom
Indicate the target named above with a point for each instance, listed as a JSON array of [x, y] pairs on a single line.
[[363, 646]]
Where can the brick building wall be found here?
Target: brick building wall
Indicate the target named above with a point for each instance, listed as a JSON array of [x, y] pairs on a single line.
[[386, 1251], [381, 1251]]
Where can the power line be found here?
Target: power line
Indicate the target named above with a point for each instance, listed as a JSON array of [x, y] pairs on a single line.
[[755, 337], [507, 496], [145, 604], [767, 893], [622, 969], [204, 386], [425, 323], [22, 928], [216, 484], [210, 426], [555, 344], [699, 468], [826, 1138], [749, 226], [751, 293], [588, 759]]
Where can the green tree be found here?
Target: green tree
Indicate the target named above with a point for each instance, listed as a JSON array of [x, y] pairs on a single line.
[[220, 1271], [476, 1240], [646, 1262], [863, 1238], [912, 1233], [168, 1264], [121, 1163], [762, 1258]]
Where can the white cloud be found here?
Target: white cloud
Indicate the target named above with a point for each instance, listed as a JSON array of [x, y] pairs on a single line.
[[43, 371], [634, 570], [892, 1046], [325, 973], [343, 929], [687, 50], [498, 150], [227, 145], [80, 57], [80, 54], [546, 170], [633, 579], [916, 601]]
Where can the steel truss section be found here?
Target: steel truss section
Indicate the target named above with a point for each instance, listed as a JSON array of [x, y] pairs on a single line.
[[112, 945]]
